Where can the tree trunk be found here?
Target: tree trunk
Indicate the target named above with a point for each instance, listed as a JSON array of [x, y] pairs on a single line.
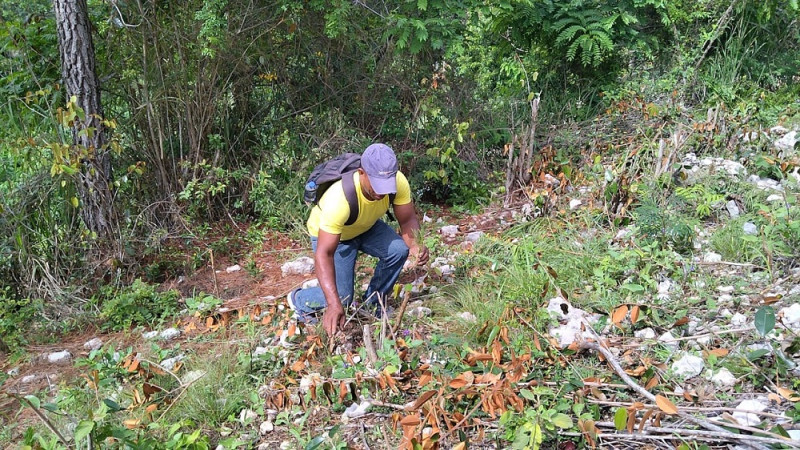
[[89, 134]]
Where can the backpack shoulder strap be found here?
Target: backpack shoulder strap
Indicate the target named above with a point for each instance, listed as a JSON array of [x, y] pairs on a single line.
[[352, 198]]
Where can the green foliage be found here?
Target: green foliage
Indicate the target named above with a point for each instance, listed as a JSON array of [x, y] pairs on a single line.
[[16, 319], [664, 226], [277, 199], [139, 304], [701, 197]]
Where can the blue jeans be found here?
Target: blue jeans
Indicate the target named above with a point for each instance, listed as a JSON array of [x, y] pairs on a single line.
[[380, 241]]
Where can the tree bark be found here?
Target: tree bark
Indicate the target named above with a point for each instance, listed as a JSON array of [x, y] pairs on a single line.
[[89, 135]]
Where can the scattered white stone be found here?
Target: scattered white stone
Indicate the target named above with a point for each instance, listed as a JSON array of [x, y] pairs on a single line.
[[791, 315], [426, 219], [13, 372], [473, 237], [357, 410], [266, 427], [663, 289], [247, 415], [668, 340], [575, 322], [62, 357], [260, 351], [312, 379], [28, 379], [733, 209], [723, 378], [725, 312], [446, 270], [750, 228], [794, 434], [765, 183], [645, 333], [787, 142], [725, 298], [468, 317], [712, 257], [310, 283], [550, 180], [775, 198], [726, 289], [778, 130], [738, 320], [264, 446], [192, 376], [688, 366], [170, 363], [150, 334], [575, 203], [93, 344], [449, 230], [623, 233], [233, 268], [419, 312], [169, 334], [744, 417], [300, 266]]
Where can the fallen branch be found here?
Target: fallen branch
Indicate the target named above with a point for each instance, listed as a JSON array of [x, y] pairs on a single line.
[[43, 418], [680, 432], [401, 312], [723, 433], [369, 347], [689, 408]]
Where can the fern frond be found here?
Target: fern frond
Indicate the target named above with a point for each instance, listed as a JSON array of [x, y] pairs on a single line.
[[569, 33]]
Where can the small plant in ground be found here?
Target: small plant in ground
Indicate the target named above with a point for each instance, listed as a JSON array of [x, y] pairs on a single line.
[[202, 303], [138, 304]]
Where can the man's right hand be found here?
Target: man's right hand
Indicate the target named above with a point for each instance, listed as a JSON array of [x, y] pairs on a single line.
[[333, 319]]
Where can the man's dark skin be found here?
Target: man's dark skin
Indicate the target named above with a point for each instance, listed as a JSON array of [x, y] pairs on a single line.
[[333, 318]]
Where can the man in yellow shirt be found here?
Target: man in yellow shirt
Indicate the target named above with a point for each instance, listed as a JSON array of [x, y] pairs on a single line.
[[336, 245]]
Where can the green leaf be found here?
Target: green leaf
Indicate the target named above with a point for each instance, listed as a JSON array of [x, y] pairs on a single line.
[[316, 442], [633, 287], [112, 405], [562, 420], [620, 418], [765, 320], [33, 400], [83, 429], [756, 354], [422, 5], [527, 394]]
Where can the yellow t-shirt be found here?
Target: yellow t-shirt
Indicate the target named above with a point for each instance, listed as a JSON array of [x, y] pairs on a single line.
[[332, 211]]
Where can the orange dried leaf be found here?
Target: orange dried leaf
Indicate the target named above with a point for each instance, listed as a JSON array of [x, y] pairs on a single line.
[[619, 315], [131, 424], [788, 394], [151, 408], [665, 405], [422, 399], [775, 398], [410, 420], [634, 313], [465, 379], [681, 321], [719, 352], [134, 366], [425, 378]]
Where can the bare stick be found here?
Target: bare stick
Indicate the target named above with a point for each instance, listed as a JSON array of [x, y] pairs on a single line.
[[689, 408], [364, 438], [162, 368], [708, 434], [369, 347], [401, 312], [389, 405], [43, 418], [611, 360]]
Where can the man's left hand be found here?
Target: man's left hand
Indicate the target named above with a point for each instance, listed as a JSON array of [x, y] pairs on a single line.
[[420, 254]]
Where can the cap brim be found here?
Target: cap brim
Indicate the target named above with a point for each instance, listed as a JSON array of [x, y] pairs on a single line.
[[383, 186]]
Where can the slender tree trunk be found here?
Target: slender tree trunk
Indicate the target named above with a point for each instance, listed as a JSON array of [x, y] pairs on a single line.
[[89, 134]]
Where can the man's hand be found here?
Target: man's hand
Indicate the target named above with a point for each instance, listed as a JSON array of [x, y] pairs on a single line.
[[333, 319], [420, 254]]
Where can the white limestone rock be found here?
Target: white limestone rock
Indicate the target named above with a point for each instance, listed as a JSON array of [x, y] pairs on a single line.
[[688, 366], [170, 363], [191, 377], [467, 316], [787, 142], [266, 427], [575, 203], [310, 283], [247, 415], [645, 333], [233, 268], [738, 320], [749, 228], [356, 410], [473, 237], [170, 334], [723, 378], [775, 198], [746, 418], [419, 312], [733, 209], [668, 341], [449, 230], [93, 344], [62, 357], [791, 315], [712, 257], [150, 335], [300, 266]]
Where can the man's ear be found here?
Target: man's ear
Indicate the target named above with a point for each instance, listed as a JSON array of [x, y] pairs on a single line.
[[361, 171]]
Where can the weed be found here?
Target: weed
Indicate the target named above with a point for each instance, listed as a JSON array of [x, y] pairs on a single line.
[[139, 304]]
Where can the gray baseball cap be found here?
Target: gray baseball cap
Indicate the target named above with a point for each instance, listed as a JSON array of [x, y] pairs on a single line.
[[380, 164]]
